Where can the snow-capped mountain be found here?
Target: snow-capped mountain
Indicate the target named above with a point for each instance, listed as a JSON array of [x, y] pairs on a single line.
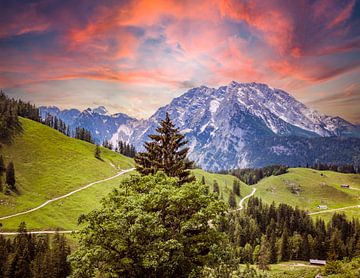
[[98, 121], [227, 127]]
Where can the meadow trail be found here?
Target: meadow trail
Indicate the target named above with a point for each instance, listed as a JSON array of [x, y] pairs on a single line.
[[330, 210], [67, 195], [246, 197]]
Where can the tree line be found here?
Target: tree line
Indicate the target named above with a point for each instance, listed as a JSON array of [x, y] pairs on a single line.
[[341, 168], [253, 175], [10, 109], [122, 147], [59, 125], [264, 234], [34, 256]]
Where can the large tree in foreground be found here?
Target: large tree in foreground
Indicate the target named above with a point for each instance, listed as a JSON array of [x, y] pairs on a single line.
[[151, 227], [166, 152]]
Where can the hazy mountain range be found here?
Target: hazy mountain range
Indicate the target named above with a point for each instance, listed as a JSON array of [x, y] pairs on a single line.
[[238, 125]]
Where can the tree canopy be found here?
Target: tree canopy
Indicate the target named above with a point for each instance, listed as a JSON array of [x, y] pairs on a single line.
[[151, 227]]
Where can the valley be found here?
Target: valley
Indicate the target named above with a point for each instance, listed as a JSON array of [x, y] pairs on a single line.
[[58, 158]]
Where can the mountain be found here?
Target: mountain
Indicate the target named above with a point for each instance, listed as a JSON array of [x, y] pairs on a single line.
[[250, 125], [98, 121]]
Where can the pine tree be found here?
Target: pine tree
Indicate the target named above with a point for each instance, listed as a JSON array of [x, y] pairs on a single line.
[[232, 200], [10, 175], [2, 165], [216, 188], [264, 254], [284, 248], [97, 152], [236, 187], [166, 152]]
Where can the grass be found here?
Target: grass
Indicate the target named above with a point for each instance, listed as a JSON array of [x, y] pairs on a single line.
[[308, 188], [64, 214], [225, 183], [293, 269], [49, 164]]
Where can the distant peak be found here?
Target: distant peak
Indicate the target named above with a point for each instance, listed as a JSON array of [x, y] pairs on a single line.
[[101, 110]]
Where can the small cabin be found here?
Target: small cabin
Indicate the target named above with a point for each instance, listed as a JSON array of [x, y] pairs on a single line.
[[345, 186], [317, 262], [322, 207]]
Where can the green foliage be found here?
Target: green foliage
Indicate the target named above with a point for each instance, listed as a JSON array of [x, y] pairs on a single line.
[[2, 166], [253, 175], [150, 227], [216, 188], [290, 234], [10, 176], [126, 149], [232, 200], [236, 187], [31, 257], [166, 152], [83, 134], [232, 271], [97, 152]]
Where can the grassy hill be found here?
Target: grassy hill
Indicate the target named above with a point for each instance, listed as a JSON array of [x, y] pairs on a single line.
[[49, 164], [308, 188], [225, 183]]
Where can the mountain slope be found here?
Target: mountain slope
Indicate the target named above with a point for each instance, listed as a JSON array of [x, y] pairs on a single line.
[[229, 127], [49, 164], [98, 121]]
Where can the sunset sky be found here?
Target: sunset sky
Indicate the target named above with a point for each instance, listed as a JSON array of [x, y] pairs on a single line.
[[135, 56]]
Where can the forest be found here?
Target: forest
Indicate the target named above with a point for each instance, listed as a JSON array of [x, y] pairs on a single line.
[[31, 256]]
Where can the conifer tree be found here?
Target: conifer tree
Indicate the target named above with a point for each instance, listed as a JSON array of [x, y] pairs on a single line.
[[166, 152], [97, 152], [10, 175], [232, 200], [216, 188], [264, 254], [284, 248], [2, 165], [236, 187]]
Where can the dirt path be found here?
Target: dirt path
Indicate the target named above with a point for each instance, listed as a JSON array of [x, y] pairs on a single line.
[[36, 233], [241, 206], [330, 210], [66, 195]]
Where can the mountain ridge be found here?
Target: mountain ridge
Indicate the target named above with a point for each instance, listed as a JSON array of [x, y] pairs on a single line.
[[227, 127]]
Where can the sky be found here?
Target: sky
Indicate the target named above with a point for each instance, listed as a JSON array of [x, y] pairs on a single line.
[[135, 56]]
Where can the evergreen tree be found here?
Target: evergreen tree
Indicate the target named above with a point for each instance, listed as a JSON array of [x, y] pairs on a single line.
[[236, 187], [203, 180], [166, 152], [97, 152], [284, 248], [232, 200], [2, 165], [216, 188], [264, 254], [10, 176]]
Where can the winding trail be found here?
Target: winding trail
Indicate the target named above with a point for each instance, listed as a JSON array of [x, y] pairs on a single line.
[[241, 206], [330, 210], [66, 195]]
